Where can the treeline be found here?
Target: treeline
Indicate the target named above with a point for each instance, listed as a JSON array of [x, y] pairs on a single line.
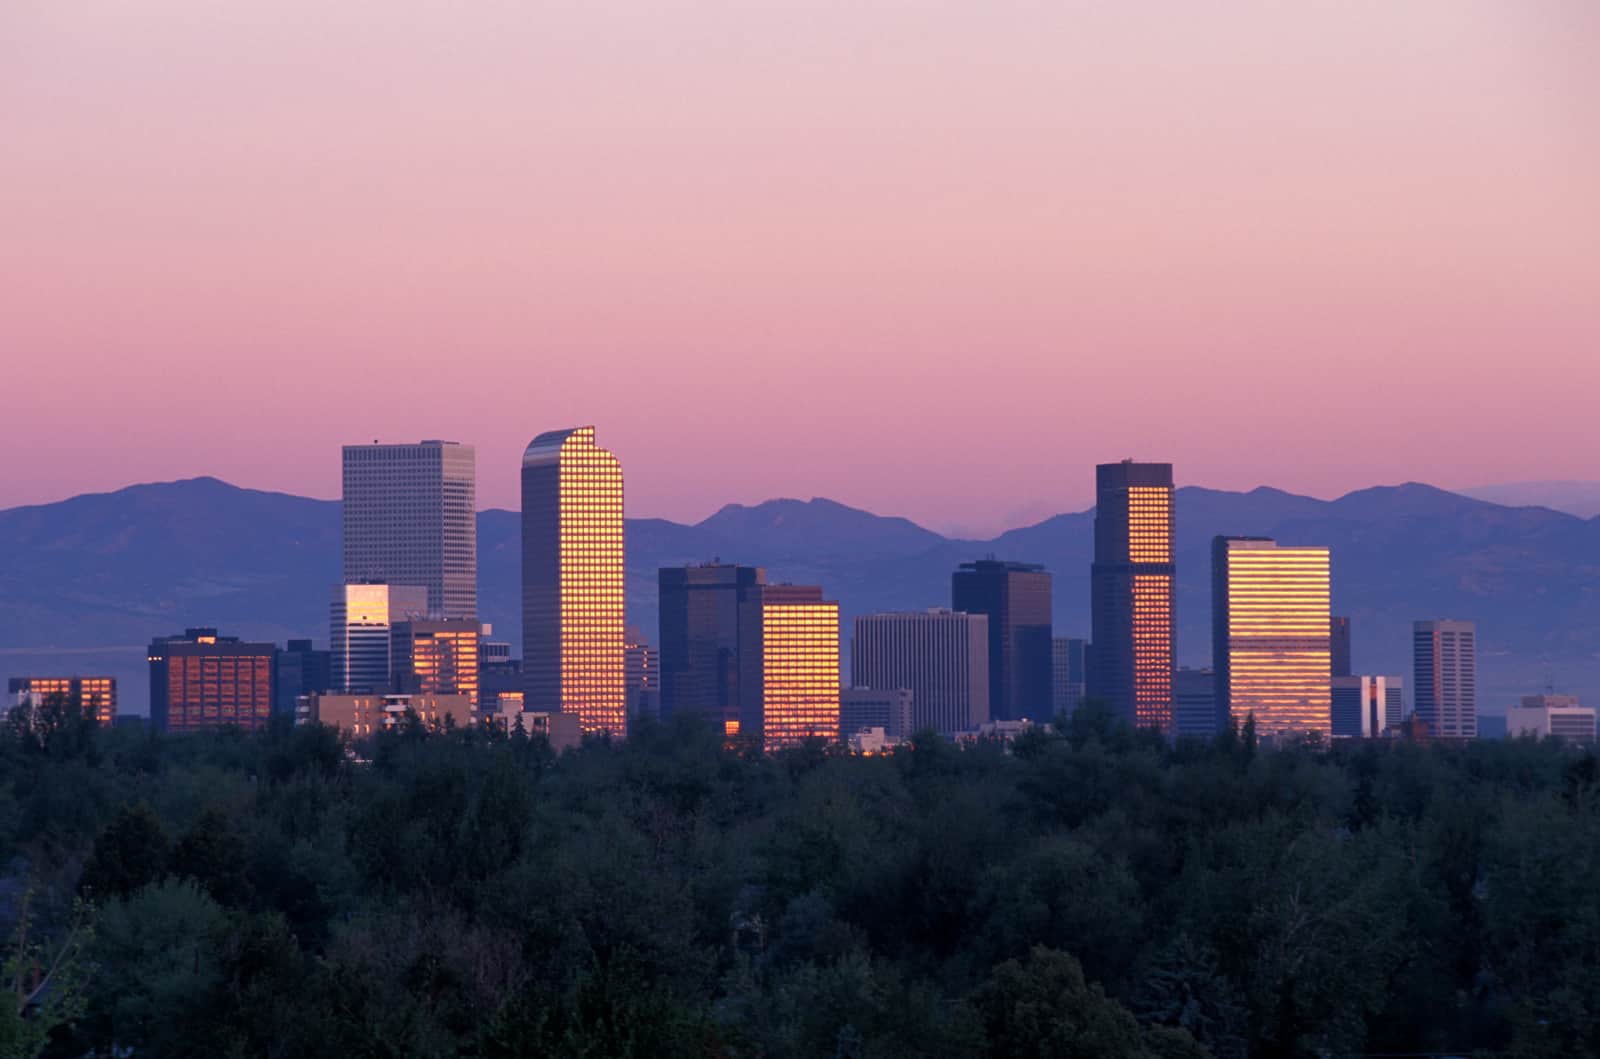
[[1083, 892]]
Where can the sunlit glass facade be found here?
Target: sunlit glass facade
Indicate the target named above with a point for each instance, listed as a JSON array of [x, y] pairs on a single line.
[[572, 580], [202, 681], [1132, 596], [96, 695], [1272, 645], [800, 670], [438, 657]]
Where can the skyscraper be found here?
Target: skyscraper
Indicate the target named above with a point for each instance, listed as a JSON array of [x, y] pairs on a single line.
[[1068, 666], [572, 603], [1016, 599], [1339, 637], [799, 666], [410, 518], [361, 620], [1445, 657], [201, 680], [1131, 592], [711, 642], [1270, 633], [941, 656]]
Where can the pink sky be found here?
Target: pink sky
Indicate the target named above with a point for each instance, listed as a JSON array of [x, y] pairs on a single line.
[[934, 258]]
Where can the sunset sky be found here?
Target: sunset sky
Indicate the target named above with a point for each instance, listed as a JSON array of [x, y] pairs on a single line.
[[932, 258]]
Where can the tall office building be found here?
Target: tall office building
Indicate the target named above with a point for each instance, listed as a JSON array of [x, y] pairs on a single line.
[[1194, 703], [642, 671], [1068, 680], [711, 642], [436, 656], [1339, 645], [1359, 707], [410, 518], [96, 696], [572, 603], [1016, 599], [1270, 633], [1131, 592], [799, 666], [1394, 701], [301, 670], [941, 656], [201, 680], [1445, 657], [361, 621]]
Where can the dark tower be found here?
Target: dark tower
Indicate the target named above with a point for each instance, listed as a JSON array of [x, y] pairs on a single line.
[[1016, 598], [711, 642], [1131, 592]]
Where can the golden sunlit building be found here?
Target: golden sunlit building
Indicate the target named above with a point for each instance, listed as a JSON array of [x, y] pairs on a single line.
[[799, 666], [437, 656], [201, 681], [572, 577], [96, 695], [1270, 635], [1131, 593]]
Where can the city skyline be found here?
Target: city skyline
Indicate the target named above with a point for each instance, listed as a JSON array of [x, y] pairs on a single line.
[[846, 217]]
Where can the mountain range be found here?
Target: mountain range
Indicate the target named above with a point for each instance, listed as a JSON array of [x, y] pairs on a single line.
[[88, 581]]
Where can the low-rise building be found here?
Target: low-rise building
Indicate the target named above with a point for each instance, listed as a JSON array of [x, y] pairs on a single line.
[[1542, 716], [364, 715]]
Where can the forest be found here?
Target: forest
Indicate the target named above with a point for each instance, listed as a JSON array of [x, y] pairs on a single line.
[[1083, 891]]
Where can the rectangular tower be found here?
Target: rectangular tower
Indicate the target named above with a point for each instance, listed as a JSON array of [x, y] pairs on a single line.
[[96, 696], [799, 666], [1445, 657], [1339, 636], [1360, 707], [437, 656], [941, 656], [1270, 636], [361, 619], [1016, 599], [1131, 592], [1194, 704], [410, 518], [572, 581], [1068, 683], [201, 680], [711, 642]]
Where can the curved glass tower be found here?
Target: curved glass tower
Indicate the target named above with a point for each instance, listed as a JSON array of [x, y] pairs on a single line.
[[572, 604]]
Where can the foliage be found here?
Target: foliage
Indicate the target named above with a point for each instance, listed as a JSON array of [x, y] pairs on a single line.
[[1088, 891]]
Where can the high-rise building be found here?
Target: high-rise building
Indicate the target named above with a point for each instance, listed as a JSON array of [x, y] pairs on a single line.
[[572, 604], [643, 674], [201, 680], [1131, 592], [1016, 599], [1194, 703], [799, 666], [301, 670], [941, 656], [410, 518], [1542, 716], [95, 695], [1270, 632], [1068, 679], [361, 620], [1394, 701], [1445, 659], [1339, 645], [436, 656], [711, 642], [1359, 707], [864, 708]]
